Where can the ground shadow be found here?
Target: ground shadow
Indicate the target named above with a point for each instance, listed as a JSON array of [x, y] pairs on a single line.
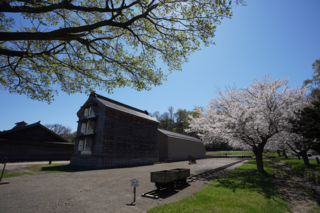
[[246, 179], [131, 204], [164, 193], [65, 168]]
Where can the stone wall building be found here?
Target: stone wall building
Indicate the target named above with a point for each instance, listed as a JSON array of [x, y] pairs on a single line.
[[176, 146], [111, 134], [33, 142]]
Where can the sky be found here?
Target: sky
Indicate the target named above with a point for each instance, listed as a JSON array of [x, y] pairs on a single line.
[[276, 37]]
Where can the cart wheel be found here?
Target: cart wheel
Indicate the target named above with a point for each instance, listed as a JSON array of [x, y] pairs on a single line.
[[184, 181], [158, 186], [171, 186]]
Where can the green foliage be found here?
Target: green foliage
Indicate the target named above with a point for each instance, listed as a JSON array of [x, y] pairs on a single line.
[[316, 75], [307, 125], [70, 137], [217, 144], [307, 122], [82, 45], [242, 190], [175, 121]]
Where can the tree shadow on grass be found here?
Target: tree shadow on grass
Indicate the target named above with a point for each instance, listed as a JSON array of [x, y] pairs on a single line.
[[247, 177]]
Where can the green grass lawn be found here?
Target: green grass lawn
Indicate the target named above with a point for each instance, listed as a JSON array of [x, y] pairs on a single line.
[[42, 169], [311, 172], [241, 190], [232, 153], [239, 153], [274, 154], [299, 164]]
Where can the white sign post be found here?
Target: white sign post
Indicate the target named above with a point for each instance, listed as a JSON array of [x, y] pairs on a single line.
[[134, 183]]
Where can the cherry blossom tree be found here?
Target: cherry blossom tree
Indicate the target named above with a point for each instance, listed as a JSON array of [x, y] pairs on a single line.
[[250, 117], [296, 142], [303, 133]]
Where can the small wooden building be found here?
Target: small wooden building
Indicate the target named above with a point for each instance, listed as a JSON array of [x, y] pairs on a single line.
[[176, 146], [33, 142], [111, 134]]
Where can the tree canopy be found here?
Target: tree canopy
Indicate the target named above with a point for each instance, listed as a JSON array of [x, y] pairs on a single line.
[[316, 75], [63, 131], [250, 117], [77, 46], [305, 129], [59, 129], [175, 121]]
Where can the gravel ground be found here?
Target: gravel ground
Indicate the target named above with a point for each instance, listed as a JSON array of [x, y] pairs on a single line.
[[105, 190]]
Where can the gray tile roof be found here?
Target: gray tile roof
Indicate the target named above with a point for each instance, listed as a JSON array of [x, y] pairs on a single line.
[[178, 135], [124, 108], [33, 125]]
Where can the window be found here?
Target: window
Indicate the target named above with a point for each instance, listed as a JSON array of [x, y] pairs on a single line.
[[83, 128], [80, 147], [89, 129], [91, 112], [86, 112], [86, 127], [87, 146]]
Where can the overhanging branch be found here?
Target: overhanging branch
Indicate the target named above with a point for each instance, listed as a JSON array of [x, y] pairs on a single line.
[[62, 5]]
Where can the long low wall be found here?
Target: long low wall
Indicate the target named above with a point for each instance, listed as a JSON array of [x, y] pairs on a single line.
[[179, 149], [105, 162], [20, 151]]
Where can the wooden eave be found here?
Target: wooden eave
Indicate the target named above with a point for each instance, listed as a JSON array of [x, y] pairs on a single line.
[[86, 136], [130, 116], [87, 119], [89, 105]]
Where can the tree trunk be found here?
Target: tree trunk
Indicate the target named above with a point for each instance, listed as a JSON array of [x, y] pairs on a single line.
[[285, 154], [279, 154], [258, 154], [305, 159]]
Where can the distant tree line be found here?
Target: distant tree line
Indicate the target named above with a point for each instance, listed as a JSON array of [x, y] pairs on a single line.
[[63, 131], [175, 121], [217, 145]]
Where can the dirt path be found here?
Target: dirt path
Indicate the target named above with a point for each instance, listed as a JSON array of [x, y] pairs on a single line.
[[96, 191], [296, 196]]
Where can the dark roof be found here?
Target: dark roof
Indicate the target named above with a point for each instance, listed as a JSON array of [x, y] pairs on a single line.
[[14, 129], [21, 122], [178, 135], [123, 107]]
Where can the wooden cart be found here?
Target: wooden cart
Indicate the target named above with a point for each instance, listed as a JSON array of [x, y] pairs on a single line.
[[167, 178], [183, 174]]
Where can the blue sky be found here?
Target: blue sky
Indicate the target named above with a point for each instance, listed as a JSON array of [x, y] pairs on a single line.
[[279, 38]]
